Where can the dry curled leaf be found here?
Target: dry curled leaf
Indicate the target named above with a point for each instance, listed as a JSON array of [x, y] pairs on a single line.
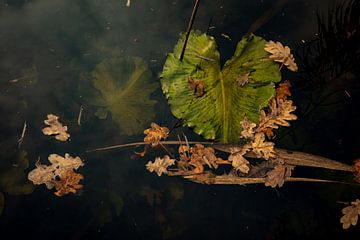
[[261, 148], [155, 134], [277, 176], [280, 53], [55, 128], [350, 214], [160, 165], [279, 115], [242, 79], [248, 128], [59, 168], [198, 86], [239, 162], [68, 183], [283, 91]]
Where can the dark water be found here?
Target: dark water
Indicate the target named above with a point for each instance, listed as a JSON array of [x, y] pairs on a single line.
[[46, 46]]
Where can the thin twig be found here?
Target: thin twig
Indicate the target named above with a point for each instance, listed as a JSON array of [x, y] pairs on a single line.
[[141, 143], [191, 23], [21, 139], [79, 116]]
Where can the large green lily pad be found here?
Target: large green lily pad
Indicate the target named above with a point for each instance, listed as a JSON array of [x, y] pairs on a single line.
[[122, 86], [218, 112]]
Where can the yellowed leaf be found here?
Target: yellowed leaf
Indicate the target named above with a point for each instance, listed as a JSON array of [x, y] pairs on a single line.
[[350, 214], [55, 128], [262, 148], [280, 53], [160, 165]]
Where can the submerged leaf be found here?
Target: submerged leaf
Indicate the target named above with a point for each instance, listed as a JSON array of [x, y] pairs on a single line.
[[123, 88], [222, 105], [278, 175]]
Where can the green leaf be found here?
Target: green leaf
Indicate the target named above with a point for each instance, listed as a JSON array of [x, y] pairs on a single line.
[[122, 87], [217, 114]]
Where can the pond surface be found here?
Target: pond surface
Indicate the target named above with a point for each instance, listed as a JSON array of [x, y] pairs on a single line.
[[50, 51]]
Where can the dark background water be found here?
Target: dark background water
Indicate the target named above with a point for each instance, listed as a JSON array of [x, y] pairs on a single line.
[[121, 200]]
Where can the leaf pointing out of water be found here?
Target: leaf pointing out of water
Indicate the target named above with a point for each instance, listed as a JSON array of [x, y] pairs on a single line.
[[223, 104], [123, 88]]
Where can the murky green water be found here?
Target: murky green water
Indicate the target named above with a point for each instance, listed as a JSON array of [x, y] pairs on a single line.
[[49, 51]]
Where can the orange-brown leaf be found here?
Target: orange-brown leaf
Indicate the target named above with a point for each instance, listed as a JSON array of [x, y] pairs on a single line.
[[155, 134], [198, 86], [68, 183], [283, 91]]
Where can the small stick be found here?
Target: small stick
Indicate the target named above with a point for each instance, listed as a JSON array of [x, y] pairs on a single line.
[[21, 139], [191, 23], [79, 116]]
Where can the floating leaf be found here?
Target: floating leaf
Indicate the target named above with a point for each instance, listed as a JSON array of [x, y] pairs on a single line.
[[242, 79], [68, 183], [277, 176], [218, 112], [239, 162], [248, 128], [122, 88], [60, 174], [281, 54], [155, 134], [55, 128], [283, 91], [350, 214], [160, 165], [261, 148]]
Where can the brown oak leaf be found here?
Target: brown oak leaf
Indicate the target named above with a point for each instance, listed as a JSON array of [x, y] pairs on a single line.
[[160, 165], [248, 128], [350, 214], [155, 134], [55, 128], [68, 183], [261, 148], [198, 86], [280, 53], [283, 91], [239, 162], [277, 176]]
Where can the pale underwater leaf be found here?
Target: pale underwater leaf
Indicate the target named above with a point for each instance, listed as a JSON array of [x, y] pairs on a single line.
[[122, 87]]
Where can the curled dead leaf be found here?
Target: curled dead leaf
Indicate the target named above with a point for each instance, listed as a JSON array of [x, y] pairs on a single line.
[[283, 91], [262, 148], [280, 53], [68, 183], [239, 162], [242, 79], [350, 214], [277, 176], [55, 128], [155, 134], [356, 168], [160, 165], [248, 128], [198, 86]]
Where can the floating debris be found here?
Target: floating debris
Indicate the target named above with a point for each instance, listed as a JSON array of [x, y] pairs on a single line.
[[55, 128]]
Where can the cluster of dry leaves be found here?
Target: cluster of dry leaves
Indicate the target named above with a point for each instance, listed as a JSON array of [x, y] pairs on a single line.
[[195, 159], [60, 174]]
